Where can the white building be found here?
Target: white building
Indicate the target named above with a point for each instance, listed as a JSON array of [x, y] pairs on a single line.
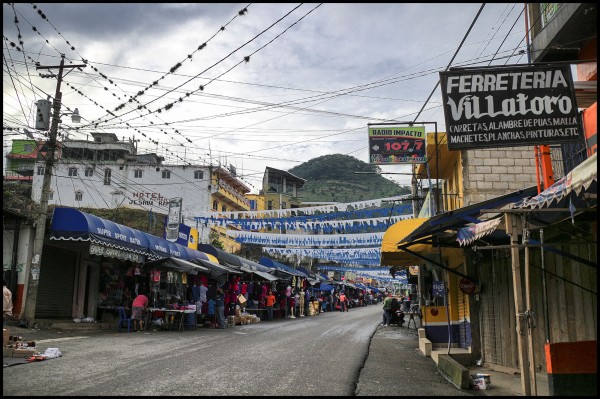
[[108, 174]]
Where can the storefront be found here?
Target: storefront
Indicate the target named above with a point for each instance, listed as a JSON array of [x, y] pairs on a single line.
[[443, 267], [92, 266]]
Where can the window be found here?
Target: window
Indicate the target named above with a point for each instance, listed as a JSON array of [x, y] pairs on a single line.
[[72, 172], [283, 205], [41, 170], [223, 208], [89, 172], [166, 174], [50, 195], [107, 173], [215, 205], [78, 195], [198, 175], [138, 174], [269, 205]]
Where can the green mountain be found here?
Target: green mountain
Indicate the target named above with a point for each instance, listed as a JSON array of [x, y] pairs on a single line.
[[331, 178]]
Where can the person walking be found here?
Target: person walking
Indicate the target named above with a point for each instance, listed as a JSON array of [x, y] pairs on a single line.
[[269, 302], [7, 304], [138, 306], [387, 308], [343, 305], [220, 307]]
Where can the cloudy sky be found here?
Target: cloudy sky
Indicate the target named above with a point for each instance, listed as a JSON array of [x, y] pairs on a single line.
[[251, 85]]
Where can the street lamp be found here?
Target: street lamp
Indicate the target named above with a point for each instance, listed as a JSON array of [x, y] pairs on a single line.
[[75, 117]]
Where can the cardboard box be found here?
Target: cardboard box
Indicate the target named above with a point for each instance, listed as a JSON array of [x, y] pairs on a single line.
[[5, 335], [25, 352], [7, 352], [481, 381]]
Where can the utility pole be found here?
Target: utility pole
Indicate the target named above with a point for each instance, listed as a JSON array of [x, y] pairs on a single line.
[[40, 227]]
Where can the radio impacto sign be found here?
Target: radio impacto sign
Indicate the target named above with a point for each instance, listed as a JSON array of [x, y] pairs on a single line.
[[396, 144], [516, 106]]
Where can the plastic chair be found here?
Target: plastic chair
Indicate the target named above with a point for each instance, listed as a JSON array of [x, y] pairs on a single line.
[[123, 319]]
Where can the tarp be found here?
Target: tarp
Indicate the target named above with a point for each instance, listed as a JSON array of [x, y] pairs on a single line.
[[280, 266], [467, 235], [251, 266], [179, 265], [390, 254], [216, 269], [73, 225], [325, 287], [579, 179], [265, 276], [225, 258]]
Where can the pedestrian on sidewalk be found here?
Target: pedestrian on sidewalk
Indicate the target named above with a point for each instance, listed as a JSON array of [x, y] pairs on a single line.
[[7, 303], [343, 305], [387, 308]]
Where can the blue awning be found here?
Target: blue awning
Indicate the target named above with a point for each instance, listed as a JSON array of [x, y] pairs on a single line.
[[224, 258], [180, 265], [280, 266], [459, 218], [325, 287], [73, 225]]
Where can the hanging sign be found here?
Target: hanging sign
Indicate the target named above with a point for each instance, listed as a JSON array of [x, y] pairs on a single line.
[[438, 289], [396, 145], [467, 286], [509, 106]]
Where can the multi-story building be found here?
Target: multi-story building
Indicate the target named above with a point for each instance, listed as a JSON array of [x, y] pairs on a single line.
[[107, 174], [20, 161], [228, 193]]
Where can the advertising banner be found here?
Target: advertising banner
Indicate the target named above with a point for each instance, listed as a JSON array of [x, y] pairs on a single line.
[[397, 145], [509, 106], [173, 219]]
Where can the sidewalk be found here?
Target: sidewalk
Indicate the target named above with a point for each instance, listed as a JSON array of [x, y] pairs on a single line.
[[396, 366]]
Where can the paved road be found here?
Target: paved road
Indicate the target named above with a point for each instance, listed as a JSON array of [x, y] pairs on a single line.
[[331, 354]]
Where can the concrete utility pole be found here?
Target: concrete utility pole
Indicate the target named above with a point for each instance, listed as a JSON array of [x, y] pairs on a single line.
[[40, 227]]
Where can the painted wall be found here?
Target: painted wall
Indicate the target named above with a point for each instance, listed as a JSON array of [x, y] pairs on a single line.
[[151, 191]]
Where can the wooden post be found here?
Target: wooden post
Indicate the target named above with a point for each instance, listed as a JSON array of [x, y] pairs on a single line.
[[530, 350], [513, 228]]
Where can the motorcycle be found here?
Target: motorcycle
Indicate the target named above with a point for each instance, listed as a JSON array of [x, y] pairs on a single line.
[[397, 317]]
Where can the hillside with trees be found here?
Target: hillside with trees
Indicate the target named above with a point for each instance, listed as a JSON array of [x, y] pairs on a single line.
[[331, 178]]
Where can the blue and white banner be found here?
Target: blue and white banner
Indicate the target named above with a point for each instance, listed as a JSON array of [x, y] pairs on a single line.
[[310, 240], [340, 255], [313, 210]]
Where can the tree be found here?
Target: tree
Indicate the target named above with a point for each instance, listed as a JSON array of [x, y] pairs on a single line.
[[213, 237]]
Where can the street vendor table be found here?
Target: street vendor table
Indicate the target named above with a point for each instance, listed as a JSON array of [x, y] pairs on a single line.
[[173, 318]]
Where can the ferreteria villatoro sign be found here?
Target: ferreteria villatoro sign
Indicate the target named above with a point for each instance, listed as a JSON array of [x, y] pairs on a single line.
[[509, 106], [396, 144]]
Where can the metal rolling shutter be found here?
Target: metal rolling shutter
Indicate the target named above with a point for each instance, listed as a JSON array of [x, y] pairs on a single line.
[[56, 285]]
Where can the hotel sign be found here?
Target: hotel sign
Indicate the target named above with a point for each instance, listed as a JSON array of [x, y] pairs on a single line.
[[505, 107]]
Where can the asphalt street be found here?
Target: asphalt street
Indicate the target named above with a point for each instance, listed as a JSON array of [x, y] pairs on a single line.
[[339, 354]]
